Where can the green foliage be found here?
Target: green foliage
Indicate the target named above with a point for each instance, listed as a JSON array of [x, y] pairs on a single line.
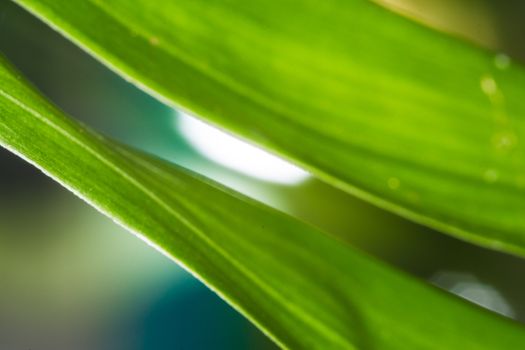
[[417, 122], [412, 120], [304, 288]]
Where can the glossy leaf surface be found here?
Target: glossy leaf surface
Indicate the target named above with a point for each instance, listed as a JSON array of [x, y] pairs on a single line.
[[304, 288], [412, 120]]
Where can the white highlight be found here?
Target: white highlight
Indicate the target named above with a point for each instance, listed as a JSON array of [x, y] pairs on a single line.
[[238, 155], [488, 85], [469, 287]]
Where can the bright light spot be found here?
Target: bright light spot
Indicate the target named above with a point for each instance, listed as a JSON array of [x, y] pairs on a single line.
[[154, 40], [502, 61], [236, 154], [504, 140], [491, 175], [488, 85], [469, 287]]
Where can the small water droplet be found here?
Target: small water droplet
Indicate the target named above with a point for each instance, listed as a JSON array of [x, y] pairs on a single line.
[[491, 175], [154, 40], [502, 61], [504, 140], [394, 183], [488, 85]]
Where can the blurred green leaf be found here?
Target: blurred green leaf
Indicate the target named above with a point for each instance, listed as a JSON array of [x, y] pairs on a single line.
[[304, 288], [408, 118]]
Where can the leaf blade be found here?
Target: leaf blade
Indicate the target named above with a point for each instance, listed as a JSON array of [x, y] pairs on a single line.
[[304, 288], [415, 122]]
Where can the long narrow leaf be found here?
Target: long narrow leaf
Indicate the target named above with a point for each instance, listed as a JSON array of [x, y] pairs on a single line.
[[304, 288], [412, 120]]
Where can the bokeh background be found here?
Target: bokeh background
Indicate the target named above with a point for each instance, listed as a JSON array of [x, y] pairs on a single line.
[[72, 279]]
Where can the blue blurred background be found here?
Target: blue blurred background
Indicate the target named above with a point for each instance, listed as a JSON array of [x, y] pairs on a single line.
[[72, 279]]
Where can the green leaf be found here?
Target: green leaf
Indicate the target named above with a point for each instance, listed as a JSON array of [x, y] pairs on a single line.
[[304, 288], [412, 120]]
